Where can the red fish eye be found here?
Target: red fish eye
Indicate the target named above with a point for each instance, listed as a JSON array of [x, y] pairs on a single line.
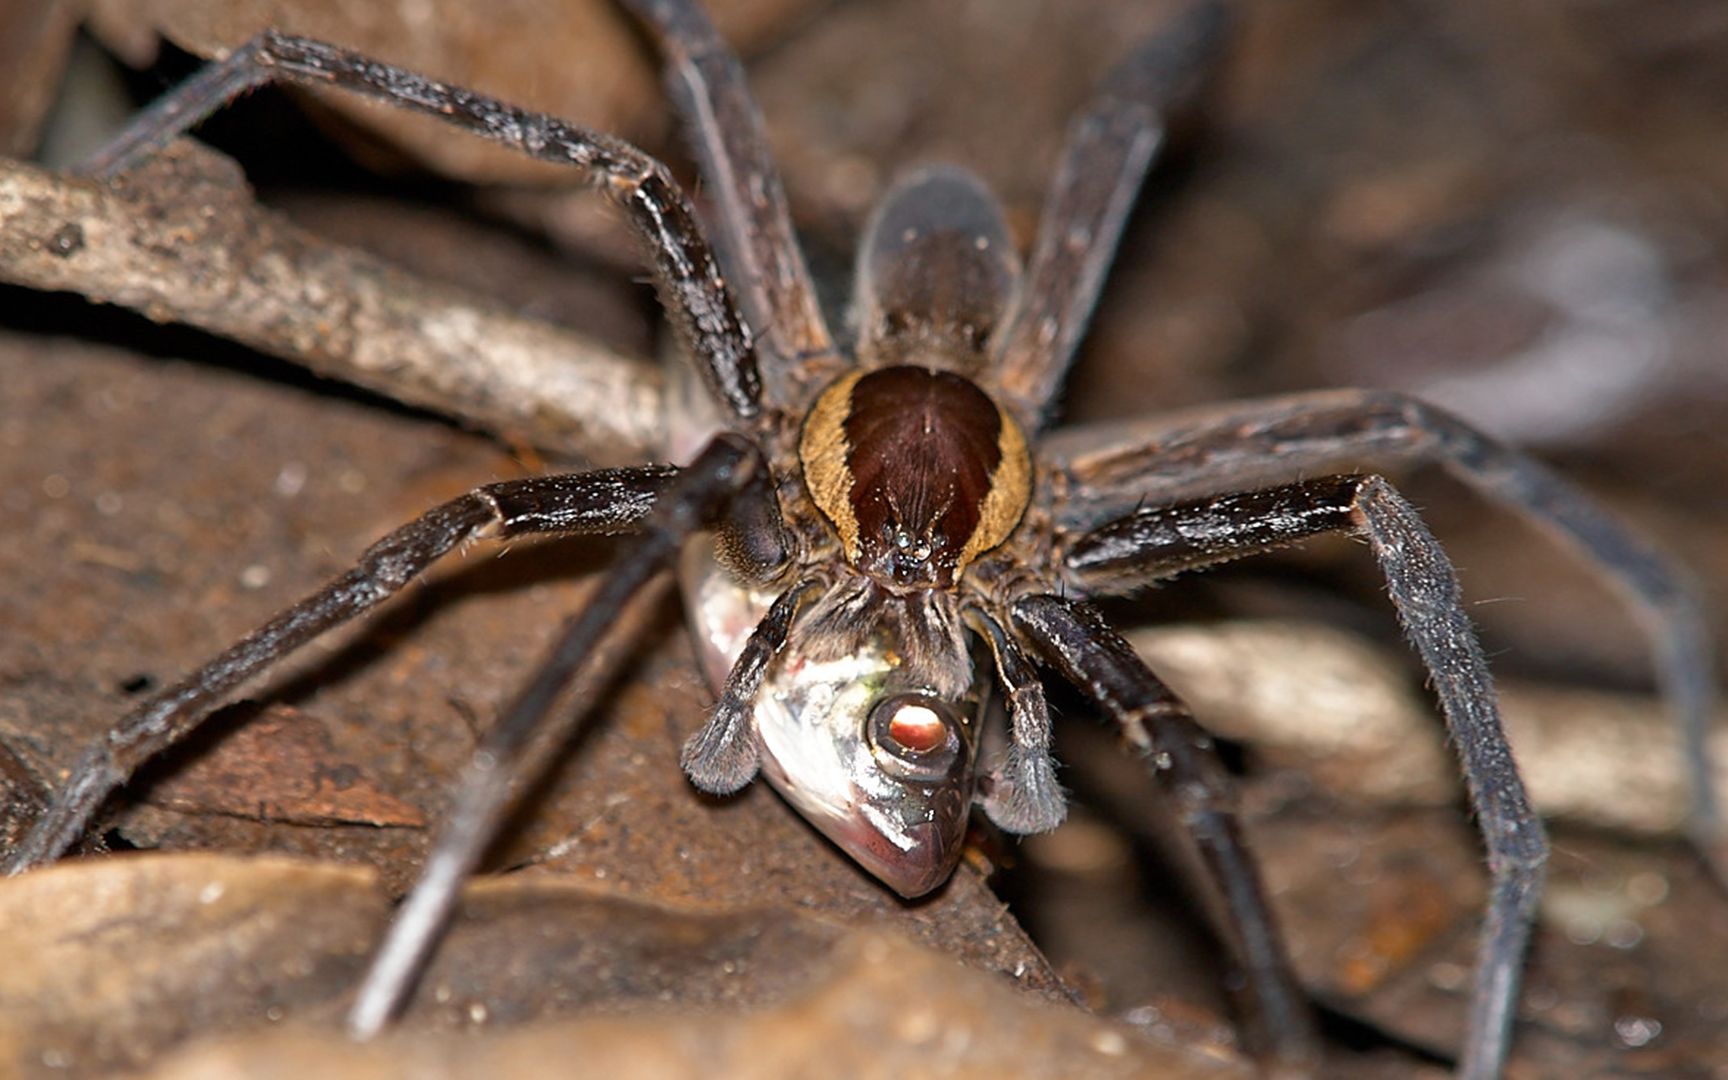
[[914, 735], [918, 728]]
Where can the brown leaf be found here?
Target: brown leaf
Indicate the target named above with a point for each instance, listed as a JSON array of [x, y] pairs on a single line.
[[110, 960], [245, 964], [282, 766], [22, 797], [577, 61]]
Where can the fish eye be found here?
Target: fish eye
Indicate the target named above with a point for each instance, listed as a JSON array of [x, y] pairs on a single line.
[[914, 735]]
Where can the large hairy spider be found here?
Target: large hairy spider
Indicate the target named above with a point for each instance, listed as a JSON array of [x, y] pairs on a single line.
[[873, 540]]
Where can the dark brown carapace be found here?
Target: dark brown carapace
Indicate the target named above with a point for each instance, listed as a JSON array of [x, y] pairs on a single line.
[[919, 471]]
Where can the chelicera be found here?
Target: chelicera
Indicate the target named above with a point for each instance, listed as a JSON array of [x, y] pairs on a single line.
[[874, 540]]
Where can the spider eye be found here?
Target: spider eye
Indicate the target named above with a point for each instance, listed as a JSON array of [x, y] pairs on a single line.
[[914, 735]]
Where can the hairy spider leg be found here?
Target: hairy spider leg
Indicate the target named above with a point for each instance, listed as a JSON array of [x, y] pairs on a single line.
[[724, 755], [1155, 723], [752, 230], [1111, 144], [1159, 542], [1110, 471], [730, 467], [608, 501], [1021, 795], [692, 290]]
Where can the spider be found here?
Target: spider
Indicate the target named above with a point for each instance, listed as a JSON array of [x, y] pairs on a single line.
[[873, 540]]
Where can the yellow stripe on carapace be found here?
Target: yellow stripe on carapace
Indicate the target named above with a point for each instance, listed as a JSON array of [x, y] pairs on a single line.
[[822, 449], [1010, 491]]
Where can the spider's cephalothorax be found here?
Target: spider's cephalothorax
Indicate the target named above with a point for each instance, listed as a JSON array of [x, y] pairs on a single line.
[[918, 470], [872, 512]]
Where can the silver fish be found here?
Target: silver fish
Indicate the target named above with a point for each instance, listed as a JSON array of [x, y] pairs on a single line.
[[871, 754]]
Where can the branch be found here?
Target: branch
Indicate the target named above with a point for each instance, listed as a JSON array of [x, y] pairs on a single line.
[[181, 240]]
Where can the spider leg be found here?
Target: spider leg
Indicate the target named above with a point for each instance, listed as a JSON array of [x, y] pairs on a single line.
[[691, 287], [1111, 143], [723, 755], [608, 501], [1074, 637], [1021, 795], [727, 469], [755, 238], [1424, 590], [1106, 472]]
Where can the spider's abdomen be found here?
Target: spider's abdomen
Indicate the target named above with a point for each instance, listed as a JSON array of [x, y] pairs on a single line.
[[919, 471]]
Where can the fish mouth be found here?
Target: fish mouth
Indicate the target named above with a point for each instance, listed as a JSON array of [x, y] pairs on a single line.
[[914, 872], [910, 840]]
